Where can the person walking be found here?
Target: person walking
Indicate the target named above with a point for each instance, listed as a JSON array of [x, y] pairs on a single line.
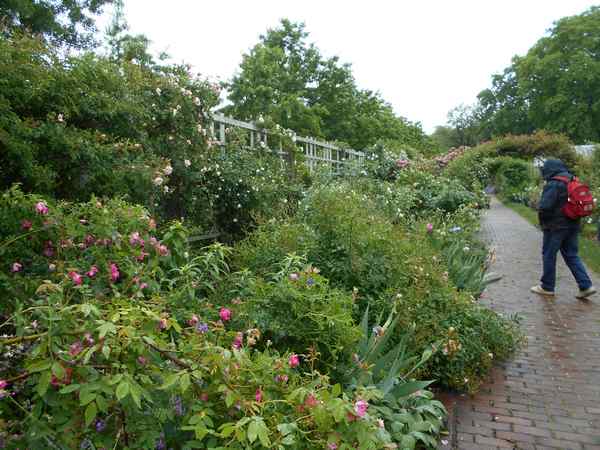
[[560, 232]]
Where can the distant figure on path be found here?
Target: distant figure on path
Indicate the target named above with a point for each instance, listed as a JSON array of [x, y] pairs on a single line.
[[560, 232]]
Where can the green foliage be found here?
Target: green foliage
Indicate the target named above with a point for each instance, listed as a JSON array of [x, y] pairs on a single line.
[[104, 127], [364, 245], [554, 86], [297, 311], [69, 22], [139, 358], [513, 176]]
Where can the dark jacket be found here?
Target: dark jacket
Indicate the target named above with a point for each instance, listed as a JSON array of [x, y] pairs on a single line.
[[554, 197]]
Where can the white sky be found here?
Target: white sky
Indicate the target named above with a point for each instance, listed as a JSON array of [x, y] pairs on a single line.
[[423, 56]]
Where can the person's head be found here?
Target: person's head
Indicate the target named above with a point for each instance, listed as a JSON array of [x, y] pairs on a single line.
[[553, 167]]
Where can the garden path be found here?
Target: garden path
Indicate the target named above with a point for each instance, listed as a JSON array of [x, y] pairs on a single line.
[[548, 395]]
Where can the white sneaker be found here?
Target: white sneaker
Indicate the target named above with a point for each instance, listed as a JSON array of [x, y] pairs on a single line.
[[541, 291], [586, 293]]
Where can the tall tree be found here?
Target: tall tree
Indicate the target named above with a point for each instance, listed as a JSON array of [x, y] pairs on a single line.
[[66, 22], [555, 86], [288, 79]]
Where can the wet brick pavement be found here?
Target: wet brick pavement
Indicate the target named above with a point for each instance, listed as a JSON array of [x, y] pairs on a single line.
[[548, 395]]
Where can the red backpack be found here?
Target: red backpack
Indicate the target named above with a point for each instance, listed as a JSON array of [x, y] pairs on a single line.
[[580, 201]]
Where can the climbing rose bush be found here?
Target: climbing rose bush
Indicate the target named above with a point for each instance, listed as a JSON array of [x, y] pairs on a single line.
[[108, 340]]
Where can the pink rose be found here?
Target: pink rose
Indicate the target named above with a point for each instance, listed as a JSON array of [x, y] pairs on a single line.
[[238, 341], [16, 267], [294, 361], [360, 408], [163, 250], [75, 348], [225, 314], [114, 272], [75, 278], [92, 272], [41, 208]]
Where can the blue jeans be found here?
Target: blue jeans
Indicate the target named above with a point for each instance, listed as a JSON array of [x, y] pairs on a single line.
[[565, 240]]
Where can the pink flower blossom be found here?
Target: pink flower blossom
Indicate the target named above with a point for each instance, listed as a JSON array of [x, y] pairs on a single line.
[[310, 401], [114, 272], [332, 446], [258, 396], [281, 378], [88, 241], [75, 348], [194, 320], [143, 286], [135, 239], [16, 267], [92, 272], [41, 208], [360, 408], [225, 314], [3, 384], [429, 227], [75, 278], [88, 339], [162, 324], [141, 360], [294, 360], [26, 225], [238, 341], [294, 276], [152, 224], [162, 249], [141, 256]]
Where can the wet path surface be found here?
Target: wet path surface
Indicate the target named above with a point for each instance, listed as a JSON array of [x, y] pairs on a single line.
[[548, 395]]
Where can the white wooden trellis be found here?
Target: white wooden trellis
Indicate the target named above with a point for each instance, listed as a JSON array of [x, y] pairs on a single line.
[[316, 152]]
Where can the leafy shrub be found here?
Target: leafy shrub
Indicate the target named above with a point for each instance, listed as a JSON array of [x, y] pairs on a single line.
[[297, 311], [538, 144], [141, 131], [512, 177], [112, 356], [343, 232]]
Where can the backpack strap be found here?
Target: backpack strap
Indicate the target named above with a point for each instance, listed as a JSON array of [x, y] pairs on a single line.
[[563, 179]]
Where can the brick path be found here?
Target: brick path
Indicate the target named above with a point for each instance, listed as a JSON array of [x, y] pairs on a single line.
[[548, 396]]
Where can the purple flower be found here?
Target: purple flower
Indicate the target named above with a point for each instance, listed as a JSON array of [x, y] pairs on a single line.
[[202, 328], [178, 406], [160, 444], [310, 281], [100, 425], [48, 249]]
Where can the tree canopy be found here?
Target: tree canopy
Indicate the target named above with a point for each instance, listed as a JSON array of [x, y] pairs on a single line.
[[555, 86], [286, 78], [69, 22]]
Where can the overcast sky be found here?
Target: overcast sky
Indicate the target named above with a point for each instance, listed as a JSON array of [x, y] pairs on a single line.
[[423, 56]]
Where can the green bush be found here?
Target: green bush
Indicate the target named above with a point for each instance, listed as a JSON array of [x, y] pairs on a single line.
[[83, 125], [104, 348], [342, 231], [297, 311]]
